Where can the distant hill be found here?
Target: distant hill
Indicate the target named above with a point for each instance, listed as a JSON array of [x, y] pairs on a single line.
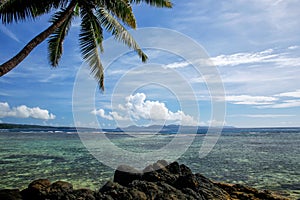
[[168, 129], [152, 128], [22, 126], [34, 127]]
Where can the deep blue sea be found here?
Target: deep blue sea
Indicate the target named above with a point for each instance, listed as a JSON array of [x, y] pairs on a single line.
[[265, 158]]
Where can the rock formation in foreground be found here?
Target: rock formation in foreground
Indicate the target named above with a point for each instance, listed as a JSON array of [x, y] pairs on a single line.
[[157, 181]]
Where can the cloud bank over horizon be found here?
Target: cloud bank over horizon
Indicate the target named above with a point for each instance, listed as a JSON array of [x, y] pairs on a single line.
[[138, 109], [24, 112]]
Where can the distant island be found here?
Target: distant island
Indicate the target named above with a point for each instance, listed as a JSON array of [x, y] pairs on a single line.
[[152, 128], [16, 126]]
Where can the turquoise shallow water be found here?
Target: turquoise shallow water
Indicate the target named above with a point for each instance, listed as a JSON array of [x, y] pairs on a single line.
[[262, 158]]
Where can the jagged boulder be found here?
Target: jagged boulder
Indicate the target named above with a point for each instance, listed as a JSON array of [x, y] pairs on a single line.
[[13, 194], [157, 181]]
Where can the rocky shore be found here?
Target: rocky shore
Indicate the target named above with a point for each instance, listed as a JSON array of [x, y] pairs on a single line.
[[158, 181]]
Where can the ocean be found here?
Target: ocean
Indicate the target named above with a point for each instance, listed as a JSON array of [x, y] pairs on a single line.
[[264, 158]]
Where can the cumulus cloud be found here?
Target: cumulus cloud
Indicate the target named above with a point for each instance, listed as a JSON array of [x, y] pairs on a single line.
[[138, 108], [109, 116], [102, 114], [24, 112]]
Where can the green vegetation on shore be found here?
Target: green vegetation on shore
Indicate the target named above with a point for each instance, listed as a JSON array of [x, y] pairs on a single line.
[[28, 126], [14, 126]]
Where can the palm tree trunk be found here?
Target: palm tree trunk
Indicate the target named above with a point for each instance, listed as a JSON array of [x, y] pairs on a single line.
[[13, 62]]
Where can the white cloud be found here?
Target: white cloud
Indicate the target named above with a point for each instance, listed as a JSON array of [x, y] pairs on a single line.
[[293, 47], [177, 65], [266, 56], [118, 117], [138, 108], [116, 72], [295, 94], [281, 100], [284, 104], [266, 73], [102, 114], [251, 100], [275, 18], [109, 116], [24, 112], [242, 58]]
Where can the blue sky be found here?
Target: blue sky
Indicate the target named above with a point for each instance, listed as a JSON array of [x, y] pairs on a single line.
[[255, 46]]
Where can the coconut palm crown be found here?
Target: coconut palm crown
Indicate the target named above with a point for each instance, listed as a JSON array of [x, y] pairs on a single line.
[[96, 16]]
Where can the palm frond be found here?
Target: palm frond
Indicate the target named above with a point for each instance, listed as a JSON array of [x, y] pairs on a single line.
[[48, 5], [55, 42], [90, 39], [20, 10], [156, 3], [121, 9], [77, 10], [119, 32]]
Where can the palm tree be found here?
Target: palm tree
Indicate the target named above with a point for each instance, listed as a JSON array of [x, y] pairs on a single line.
[[96, 16]]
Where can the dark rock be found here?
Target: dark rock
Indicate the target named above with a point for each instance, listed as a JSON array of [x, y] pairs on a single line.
[[126, 174], [36, 190], [184, 170], [61, 190], [161, 172], [162, 175], [42, 189], [239, 191], [61, 186], [150, 189], [192, 194], [163, 162], [158, 181], [84, 194], [158, 166], [187, 181], [174, 168], [39, 184], [158, 190], [112, 190], [109, 186], [136, 194], [149, 168], [13, 194]]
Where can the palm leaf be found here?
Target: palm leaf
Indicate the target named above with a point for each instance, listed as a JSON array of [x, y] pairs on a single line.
[[156, 3], [55, 42], [90, 39], [20, 10], [121, 9], [119, 31]]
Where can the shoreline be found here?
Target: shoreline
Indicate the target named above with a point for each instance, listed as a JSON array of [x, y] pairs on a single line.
[[160, 180]]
